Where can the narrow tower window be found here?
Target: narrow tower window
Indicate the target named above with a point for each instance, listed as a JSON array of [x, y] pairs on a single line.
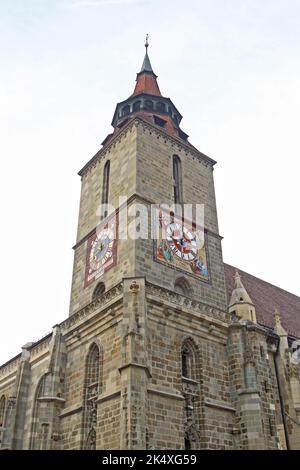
[[2, 410], [177, 180], [105, 187], [185, 362], [91, 391]]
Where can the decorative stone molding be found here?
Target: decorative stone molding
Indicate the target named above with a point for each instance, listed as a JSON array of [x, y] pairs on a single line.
[[99, 302], [185, 302], [101, 154], [41, 346], [177, 144], [134, 287], [12, 366]]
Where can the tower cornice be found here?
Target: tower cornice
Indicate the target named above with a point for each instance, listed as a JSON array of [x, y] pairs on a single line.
[[178, 143]]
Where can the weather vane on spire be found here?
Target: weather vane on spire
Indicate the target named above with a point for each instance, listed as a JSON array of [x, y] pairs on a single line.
[[147, 42]]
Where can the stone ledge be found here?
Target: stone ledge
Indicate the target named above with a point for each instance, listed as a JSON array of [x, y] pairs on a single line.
[[57, 399], [71, 410], [165, 393], [248, 391], [137, 366], [218, 404], [108, 396]]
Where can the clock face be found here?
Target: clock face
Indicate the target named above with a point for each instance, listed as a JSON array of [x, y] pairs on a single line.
[[101, 250], [181, 241], [180, 245]]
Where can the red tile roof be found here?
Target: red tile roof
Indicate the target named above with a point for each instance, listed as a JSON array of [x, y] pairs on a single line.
[[266, 298], [146, 83]]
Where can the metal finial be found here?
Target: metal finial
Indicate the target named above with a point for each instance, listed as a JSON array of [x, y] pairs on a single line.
[[147, 42]]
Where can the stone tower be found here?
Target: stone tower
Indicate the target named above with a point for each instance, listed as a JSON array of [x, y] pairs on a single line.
[[149, 356], [168, 295]]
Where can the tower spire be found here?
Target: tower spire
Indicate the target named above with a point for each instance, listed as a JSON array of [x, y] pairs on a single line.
[[148, 103], [146, 67]]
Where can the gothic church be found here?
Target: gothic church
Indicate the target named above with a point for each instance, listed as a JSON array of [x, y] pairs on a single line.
[[165, 346]]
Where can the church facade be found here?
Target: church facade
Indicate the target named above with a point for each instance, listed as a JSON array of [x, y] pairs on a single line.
[[165, 346]]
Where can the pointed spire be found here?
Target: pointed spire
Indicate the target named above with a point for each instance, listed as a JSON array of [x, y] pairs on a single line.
[[278, 328], [146, 67], [146, 78], [240, 302], [239, 293]]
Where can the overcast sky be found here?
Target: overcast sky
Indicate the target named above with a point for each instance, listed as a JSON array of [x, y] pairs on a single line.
[[232, 69]]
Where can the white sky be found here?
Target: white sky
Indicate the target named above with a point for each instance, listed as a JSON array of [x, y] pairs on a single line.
[[232, 69]]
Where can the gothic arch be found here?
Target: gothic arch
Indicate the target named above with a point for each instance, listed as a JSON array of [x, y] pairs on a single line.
[[161, 107], [189, 359], [182, 286], [177, 180], [148, 105], [126, 110], [2, 410], [136, 106], [98, 291], [92, 388], [39, 418], [105, 187], [190, 379]]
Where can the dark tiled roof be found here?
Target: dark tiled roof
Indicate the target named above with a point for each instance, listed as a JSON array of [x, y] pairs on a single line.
[[266, 299]]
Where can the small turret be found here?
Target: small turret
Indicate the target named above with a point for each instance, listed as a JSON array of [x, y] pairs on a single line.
[[240, 301]]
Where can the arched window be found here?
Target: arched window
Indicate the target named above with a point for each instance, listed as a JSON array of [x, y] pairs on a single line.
[[99, 290], [2, 410], [105, 185], [40, 421], [92, 369], [187, 362], [92, 386], [182, 286], [148, 105], [191, 391], [177, 180], [136, 106], [126, 110], [160, 107]]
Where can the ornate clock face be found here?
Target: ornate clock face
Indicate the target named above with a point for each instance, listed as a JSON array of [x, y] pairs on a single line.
[[101, 249], [181, 241]]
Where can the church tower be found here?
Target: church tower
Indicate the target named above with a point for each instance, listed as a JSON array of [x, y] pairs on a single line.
[[147, 163], [157, 283], [149, 356]]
